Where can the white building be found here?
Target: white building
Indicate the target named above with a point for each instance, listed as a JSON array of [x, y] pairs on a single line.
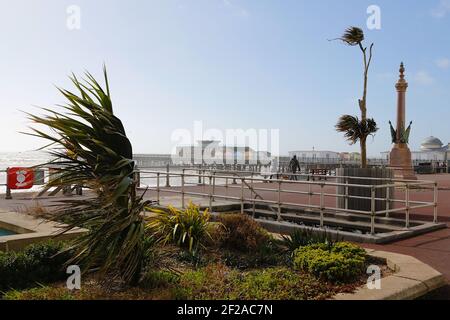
[[431, 149], [315, 155], [212, 152]]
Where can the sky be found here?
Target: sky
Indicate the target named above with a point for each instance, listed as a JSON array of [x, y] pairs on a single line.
[[231, 64]]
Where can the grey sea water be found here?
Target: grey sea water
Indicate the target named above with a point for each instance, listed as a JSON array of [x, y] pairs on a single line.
[[33, 158]]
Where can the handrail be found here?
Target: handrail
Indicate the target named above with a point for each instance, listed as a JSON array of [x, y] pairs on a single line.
[[247, 185]]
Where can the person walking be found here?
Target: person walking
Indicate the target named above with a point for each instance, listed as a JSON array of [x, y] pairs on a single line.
[[273, 170], [294, 165]]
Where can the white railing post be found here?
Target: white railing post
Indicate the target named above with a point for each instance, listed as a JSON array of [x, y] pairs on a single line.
[[279, 201], [435, 205], [346, 193], [168, 177], [226, 186], [407, 209], [373, 209], [210, 193], [158, 189], [388, 200], [322, 205], [251, 185], [253, 196], [242, 195], [182, 189], [310, 194], [214, 185]]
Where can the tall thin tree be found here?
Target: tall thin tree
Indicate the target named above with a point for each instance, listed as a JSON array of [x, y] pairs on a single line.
[[358, 129]]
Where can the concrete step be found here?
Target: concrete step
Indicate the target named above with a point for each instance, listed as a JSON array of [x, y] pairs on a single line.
[[398, 221], [329, 220]]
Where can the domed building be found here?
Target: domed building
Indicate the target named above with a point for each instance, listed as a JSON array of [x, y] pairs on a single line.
[[431, 144], [431, 149]]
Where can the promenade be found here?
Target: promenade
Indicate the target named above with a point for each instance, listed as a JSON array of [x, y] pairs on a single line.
[[432, 248]]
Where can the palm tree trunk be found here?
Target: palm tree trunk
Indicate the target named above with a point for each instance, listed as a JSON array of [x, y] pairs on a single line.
[[363, 102], [362, 143]]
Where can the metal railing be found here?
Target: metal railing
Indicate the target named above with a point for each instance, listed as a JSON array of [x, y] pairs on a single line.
[[251, 184]]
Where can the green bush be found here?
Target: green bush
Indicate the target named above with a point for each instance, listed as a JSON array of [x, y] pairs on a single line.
[[217, 282], [159, 279], [186, 228], [243, 233], [41, 293], [266, 255], [38, 263], [304, 237], [342, 262]]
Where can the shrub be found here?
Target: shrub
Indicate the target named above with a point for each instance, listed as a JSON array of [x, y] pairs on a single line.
[[243, 233], [266, 255], [216, 282], [38, 263], [159, 279], [217, 232], [304, 237], [342, 262], [186, 228]]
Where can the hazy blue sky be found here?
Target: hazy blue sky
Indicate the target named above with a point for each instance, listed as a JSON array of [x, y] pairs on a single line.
[[231, 63]]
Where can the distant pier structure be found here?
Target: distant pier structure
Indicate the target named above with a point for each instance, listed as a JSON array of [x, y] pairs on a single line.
[[152, 160]]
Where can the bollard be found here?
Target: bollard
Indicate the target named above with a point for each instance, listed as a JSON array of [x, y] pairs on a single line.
[[8, 193], [168, 177], [8, 190]]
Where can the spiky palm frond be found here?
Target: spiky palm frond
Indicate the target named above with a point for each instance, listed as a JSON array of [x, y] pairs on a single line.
[[91, 149], [353, 36], [354, 129]]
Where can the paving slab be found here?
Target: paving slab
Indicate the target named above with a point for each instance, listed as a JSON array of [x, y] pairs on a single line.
[[411, 279]]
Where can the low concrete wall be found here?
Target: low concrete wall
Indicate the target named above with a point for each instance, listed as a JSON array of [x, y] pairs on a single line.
[[31, 230], [412, 279]]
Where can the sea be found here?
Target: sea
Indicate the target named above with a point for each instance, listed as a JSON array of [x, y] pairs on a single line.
[[33, 158]]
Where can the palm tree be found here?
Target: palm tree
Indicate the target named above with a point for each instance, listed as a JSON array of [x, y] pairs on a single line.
[[354, 129], [91, 149], [358, 130]]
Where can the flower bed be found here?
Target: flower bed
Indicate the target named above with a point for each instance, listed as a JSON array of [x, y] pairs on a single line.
[[232, 259]]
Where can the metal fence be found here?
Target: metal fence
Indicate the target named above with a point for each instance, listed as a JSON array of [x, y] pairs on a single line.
[[315, 187], [249, 187]]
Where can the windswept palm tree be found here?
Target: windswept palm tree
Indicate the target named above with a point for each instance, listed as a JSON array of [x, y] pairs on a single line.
[[91, 149], [354, 129], [359, 130]]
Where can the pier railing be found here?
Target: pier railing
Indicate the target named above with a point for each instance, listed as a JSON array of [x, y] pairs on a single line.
[[308, 191], [246, 188]]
